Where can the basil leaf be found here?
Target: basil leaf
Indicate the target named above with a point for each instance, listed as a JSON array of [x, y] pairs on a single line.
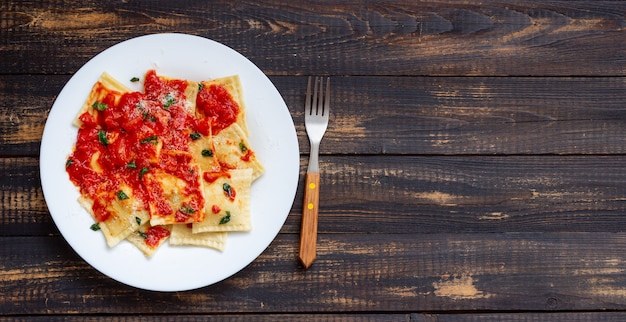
[[225, 219], [99, 106], [195, 135], [121, 195], [143, 171], [102, 136]]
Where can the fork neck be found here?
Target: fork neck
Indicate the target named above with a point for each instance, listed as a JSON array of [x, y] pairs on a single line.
[[314, 159]]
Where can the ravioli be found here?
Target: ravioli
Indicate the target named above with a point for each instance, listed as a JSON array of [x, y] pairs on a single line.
[[170, 163], [149, 238], [182, 235], [235, 152], [228, 203]]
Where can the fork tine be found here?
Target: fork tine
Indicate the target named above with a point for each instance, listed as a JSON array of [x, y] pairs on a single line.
[[315, 107], [326, 108], [307, 104]]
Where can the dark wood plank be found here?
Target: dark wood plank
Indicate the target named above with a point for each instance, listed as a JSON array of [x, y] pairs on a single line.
[[354, 273], [472, 115], [345, 37], [521, 317], [221, 317], [398, 115], [395, 194], [24, 108], [23, 209]]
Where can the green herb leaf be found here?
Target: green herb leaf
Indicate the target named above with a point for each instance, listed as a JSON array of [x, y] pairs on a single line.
[[121, 195], [95, 227], [149, 117], [195, 135], [151, 139], [102, 136], [142, 234], [200, 86], [132, 165], [99, 106], [69, 162], [134, 79], [142, 172], [242, 147], [225, 219], [187, 210], [138, 220], [168, 101], [207, 153]]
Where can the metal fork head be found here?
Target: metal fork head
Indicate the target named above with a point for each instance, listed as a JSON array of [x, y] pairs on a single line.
[[317, 105], [316, 115]]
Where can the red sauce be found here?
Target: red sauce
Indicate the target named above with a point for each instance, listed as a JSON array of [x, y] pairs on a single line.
[[246, 157], [216, 103], [211, 177], [230, 193], [155, 234], [126, 137], [216, 209]]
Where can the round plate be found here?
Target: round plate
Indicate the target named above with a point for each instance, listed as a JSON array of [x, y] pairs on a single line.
[[272, 135]]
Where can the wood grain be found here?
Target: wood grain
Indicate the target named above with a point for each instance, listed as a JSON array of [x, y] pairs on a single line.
[[474, 167], [519, 317], [399, 194], [310, 210], [455, 38], [337, 317], [398, 115], [392, 273]]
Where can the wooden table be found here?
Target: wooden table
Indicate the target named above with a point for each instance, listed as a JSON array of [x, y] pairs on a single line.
[[474, 168]]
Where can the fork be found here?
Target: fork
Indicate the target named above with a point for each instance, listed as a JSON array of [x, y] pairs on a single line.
[[316, 111]]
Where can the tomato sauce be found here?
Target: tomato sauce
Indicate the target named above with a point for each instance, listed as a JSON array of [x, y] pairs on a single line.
[[155, 234], [216, 103], [123, 137]]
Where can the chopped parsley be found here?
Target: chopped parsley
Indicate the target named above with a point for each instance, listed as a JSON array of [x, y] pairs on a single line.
[[132, 165], [134, 79], [99, 106], [142, 234], [229, 191], [195, 135], [149, 117], [121, 195], [226, 218], [143, 171], [168, 101], [207, 153], [200, 86], [102, 136], [243, 147], [151, 139], [95, 227], [138, 220], [69, 162], [187, 210]]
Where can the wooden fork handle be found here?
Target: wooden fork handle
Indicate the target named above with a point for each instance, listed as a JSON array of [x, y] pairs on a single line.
[[308, 233]]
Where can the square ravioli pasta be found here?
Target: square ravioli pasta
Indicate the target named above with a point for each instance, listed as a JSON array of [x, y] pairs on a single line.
[[170, 163]]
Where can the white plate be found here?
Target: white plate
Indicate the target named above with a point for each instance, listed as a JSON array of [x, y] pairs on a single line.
[[272, 135]]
